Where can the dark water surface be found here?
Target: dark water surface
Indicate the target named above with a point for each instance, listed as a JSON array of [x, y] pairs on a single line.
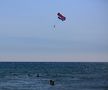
[[67, 76]]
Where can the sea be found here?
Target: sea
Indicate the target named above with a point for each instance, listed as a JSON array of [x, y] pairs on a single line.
[[65, 75]]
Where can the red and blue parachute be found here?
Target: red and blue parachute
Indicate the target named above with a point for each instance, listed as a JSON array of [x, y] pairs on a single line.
[[61, 17]]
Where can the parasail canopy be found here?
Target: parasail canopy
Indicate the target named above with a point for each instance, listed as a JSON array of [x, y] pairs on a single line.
[[61, 17]]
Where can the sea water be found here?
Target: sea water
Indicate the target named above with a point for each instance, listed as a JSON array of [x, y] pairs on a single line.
[[66, 76]]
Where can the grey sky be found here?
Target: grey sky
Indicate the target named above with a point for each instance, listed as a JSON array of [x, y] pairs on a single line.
[[27, 33]]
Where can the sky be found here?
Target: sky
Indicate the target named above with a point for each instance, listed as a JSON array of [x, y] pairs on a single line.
[[27, 31]]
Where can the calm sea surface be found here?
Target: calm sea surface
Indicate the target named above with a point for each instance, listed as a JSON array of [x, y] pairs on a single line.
[[66, 76]]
